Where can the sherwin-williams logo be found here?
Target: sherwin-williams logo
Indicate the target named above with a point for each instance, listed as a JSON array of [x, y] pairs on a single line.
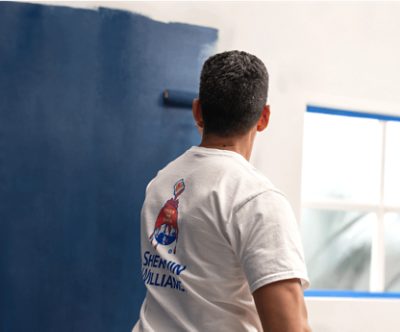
[[166, 230], [160, 272]]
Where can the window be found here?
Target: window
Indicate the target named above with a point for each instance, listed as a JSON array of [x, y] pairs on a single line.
[[351, 200]]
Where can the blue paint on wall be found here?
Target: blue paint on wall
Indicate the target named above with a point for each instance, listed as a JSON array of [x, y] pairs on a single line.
[[82, 130]]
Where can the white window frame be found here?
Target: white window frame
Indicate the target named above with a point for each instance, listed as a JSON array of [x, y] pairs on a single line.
[[377, 266]]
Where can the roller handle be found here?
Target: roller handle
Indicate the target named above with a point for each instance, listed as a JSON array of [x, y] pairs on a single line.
[[179, 98]]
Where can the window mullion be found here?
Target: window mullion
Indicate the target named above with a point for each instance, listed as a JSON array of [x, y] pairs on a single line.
[[344, 205], [377, 268]]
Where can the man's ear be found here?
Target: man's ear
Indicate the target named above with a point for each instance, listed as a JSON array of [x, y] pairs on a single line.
[[264, 118], [197, 114]]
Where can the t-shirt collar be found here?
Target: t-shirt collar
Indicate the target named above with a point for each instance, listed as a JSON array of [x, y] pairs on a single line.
[[215, 151]]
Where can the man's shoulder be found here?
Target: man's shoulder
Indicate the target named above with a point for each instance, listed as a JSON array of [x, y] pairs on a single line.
[[219, 172]]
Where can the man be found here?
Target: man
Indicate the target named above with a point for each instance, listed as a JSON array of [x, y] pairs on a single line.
[[219, 242]]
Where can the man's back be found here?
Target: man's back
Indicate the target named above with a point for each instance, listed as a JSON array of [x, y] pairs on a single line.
[[213, 231]]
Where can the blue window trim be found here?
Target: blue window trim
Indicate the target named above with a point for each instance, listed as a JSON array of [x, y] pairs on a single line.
[[354, 114], [351, 294]]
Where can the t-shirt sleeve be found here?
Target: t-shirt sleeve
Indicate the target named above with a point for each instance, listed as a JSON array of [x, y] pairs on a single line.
[[265, 237]]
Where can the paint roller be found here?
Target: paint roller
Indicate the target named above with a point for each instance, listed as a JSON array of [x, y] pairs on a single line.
[[179, 98]]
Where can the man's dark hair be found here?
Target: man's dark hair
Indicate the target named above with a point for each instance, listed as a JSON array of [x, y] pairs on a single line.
[[233, 92]]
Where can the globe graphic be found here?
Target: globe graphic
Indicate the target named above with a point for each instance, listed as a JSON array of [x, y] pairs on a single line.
[[164, 238]]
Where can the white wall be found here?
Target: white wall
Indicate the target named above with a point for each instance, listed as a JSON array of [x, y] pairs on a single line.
[[343, 54], [353, 315]]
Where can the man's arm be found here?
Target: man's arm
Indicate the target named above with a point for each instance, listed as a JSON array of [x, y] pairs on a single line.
[[281, 307]]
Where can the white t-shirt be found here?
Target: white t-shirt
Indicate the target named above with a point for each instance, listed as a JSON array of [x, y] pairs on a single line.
[[213, 230]]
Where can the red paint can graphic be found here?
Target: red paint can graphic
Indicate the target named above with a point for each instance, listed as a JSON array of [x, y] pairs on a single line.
[[166, 229]]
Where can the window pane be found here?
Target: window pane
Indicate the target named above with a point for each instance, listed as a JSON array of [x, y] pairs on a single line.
[[341, 158], [392, 252], [392, 169], [337, 247]]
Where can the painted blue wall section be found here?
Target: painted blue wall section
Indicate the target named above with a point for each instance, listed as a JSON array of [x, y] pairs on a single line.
[[82, 130]]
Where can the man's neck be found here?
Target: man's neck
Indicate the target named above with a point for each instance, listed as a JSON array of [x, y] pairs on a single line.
[[240, 144]]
